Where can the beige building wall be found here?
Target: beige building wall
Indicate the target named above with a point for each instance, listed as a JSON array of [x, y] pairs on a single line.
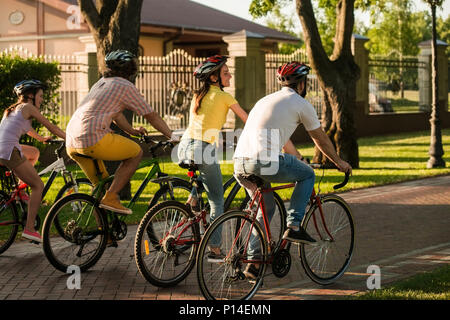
[[152, 46], [29, 23]]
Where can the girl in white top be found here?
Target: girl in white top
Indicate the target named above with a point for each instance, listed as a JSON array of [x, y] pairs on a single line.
[[21, 158]]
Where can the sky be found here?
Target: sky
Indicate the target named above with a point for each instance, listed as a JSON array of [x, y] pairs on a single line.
[[240, 8]]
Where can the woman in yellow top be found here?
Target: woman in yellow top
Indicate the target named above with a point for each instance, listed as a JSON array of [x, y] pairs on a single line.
[[199, 143]]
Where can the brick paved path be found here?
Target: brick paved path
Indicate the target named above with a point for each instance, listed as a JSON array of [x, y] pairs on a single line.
[[402, 228]]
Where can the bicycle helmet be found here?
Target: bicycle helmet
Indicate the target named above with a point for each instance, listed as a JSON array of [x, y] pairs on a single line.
[[118, 59], [26, 85], [207, 67], [292, 72]]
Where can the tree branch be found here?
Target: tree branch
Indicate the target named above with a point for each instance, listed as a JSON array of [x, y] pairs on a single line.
[[90, 13], [344, 28], [316, 53]]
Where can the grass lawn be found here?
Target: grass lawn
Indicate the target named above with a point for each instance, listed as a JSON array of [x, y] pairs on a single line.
[[383, 160], [433, 285]]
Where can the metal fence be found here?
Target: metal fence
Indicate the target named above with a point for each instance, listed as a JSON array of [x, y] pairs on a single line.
[[274, 60], [167, 83], [394, 84]]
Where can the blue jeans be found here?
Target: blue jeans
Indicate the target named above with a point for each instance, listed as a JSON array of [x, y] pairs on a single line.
[[205, 156], [287, 170]]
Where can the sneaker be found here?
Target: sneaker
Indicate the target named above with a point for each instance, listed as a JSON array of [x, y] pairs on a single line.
[[300, 236], [112, 203], [214, 257], [34, 236], [251, 272]]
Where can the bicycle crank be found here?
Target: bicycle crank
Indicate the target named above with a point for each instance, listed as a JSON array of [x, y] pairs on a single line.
[[118, 230], [281, 263]]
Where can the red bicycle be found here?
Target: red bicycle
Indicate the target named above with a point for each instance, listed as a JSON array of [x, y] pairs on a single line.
[[245, 240]]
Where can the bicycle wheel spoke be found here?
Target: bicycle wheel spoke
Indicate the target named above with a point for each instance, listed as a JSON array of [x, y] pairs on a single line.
[[238, 239], [173, 240], [74, 237], [327, 260]]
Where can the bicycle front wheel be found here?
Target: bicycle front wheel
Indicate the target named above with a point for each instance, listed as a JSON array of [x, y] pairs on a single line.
[[242, 242], [166, 244], [327, 260], [9, 222], [84, 233]]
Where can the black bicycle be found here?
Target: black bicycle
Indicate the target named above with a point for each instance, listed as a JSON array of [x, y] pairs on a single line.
[[169, 234]]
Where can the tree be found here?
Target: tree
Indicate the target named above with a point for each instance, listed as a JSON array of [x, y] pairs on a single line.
[[115, 24], [337, 74]]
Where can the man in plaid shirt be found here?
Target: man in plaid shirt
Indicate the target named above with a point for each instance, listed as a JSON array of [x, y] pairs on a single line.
[[88, 134]]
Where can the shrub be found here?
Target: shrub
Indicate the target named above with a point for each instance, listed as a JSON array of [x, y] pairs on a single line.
[[14, 69]]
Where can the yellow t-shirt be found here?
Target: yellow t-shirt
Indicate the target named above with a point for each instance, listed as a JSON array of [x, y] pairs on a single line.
[[210, 117]]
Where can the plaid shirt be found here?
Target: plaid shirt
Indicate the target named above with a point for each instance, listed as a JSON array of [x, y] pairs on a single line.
[[92, 119]]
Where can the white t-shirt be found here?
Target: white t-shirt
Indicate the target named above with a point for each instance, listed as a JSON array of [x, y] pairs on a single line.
[[271, 123]]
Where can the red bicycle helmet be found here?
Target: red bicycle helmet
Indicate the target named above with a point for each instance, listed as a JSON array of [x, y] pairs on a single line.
[[292, 72], [207, 67]]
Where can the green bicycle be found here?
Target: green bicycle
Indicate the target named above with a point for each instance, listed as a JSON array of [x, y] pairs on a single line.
[[76, 230]]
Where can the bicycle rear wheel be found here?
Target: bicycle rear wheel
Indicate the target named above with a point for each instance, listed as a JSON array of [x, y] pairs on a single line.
[[84, 234], [9, 222], [166, 244], [226, 280], [327, 260], [178, 190]]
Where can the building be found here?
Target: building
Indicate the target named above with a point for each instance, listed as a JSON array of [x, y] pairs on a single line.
[[56, 27]]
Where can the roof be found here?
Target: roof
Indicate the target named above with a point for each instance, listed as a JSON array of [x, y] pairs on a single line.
[[195, 16]]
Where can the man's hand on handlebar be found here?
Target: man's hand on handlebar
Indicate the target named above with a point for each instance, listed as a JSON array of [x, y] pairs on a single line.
[[344, 166]]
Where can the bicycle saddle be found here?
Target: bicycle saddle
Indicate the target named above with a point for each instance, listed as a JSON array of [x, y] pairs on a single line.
[[253, 179], [188, 164]]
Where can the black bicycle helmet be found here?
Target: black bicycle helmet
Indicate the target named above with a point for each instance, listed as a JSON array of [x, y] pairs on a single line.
[[26, 85], [118, 59], [207, 67], [292, 72]]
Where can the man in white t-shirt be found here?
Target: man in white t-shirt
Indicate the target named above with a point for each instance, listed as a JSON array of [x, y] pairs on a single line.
[[267, 131]]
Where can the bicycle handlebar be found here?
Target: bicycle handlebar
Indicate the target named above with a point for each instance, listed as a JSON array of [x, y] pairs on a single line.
[[337, 186], [157, 144]]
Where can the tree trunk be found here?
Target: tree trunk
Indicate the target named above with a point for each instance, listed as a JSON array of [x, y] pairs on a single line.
[[337, 77], [115, 24]]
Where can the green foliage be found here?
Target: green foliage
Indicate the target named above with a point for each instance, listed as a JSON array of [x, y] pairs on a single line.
[[284, 22], [443, 31], [14, 69]]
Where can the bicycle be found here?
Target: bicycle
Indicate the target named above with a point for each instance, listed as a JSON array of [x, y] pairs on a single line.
[[12, 203], [169, 234], [329, 220], [85, 228]]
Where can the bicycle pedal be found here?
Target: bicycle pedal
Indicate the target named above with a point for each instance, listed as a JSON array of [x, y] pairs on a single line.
[[35, 242]]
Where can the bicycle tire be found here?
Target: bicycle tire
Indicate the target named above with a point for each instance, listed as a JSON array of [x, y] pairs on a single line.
[[95, 227], [225, 280], [163, 193], [316, 258], [158, 257], [9, 222]]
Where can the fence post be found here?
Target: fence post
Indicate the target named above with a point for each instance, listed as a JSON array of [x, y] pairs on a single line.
[[89, 74], [247, 65], [361, 56], [425, 76]]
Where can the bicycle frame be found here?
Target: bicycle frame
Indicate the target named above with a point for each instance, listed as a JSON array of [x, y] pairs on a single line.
[[258, 198]]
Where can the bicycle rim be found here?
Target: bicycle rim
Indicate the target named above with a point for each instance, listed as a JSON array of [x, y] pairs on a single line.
[[166, 244], [226, 280], [328, 259], [84, 233], [9, 223]]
